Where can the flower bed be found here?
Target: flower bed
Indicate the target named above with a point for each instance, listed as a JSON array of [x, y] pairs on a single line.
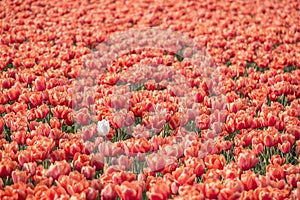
[[152, 125]]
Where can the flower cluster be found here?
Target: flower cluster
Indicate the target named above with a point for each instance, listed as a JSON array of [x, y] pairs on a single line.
[[87, 113]]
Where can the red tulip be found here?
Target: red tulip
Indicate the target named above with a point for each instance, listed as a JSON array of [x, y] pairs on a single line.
[[24, 157], [80, 160], [257, 148], [231, 171], [293, 130], [28, 62], [192, 151], [232, 190], [269, 140], [276, 159], [91, 193], [287, 138], [151, 85], [195, 163], [19, 137], [97, 160], [30, 168], [88, 171], [41, 130], [129, 190], [212, 173], [57, 155], [296, 193], [285, 147], [184, 175], [72, 147], [56, 134], [249, 180], [215, 161], [61, 112], [177, 119], [298, 147], [3, 98], [203, 121], [58, 168], [141, 145], [13, 93], [246, 160], [42, 111], [108, 192], [6, 167], [19, 176], [31, 114], [96, 184], [293, 179], [212, 188], [36, 98], [158, 191], [55, 123], [39, 84], [275, 172]]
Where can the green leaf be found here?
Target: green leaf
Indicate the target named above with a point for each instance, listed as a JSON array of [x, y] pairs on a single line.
[[275, 46], [231, 136], [289, 68], [256, 67], [228, 63], [9, 66], [7, 133], [138, 120], [179, 55], [283, 100]]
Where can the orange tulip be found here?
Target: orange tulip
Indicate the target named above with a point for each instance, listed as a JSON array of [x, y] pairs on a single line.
[[249, 180], [6, 167], [129, 190], [80, 160], [184, 175], [58, 168], [246, 160], [285, 147], [232, 190], [88, 171], [36, 99], [214, 161], [212, 188], [19, 176], [30, 168], [39, 84], [275, 172], [97, 160], [108, 192], [276, 159], [158, 191], [196, 164]]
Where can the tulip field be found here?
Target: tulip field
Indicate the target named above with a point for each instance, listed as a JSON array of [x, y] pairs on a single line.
[[156, 100]]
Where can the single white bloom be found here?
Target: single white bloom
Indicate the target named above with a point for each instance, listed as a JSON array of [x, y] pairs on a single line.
[[103, 127]]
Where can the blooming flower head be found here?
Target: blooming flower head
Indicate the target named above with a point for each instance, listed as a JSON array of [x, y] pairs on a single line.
[[103, 127]]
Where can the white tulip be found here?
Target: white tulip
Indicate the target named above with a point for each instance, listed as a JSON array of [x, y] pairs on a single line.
[[103, 127]]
